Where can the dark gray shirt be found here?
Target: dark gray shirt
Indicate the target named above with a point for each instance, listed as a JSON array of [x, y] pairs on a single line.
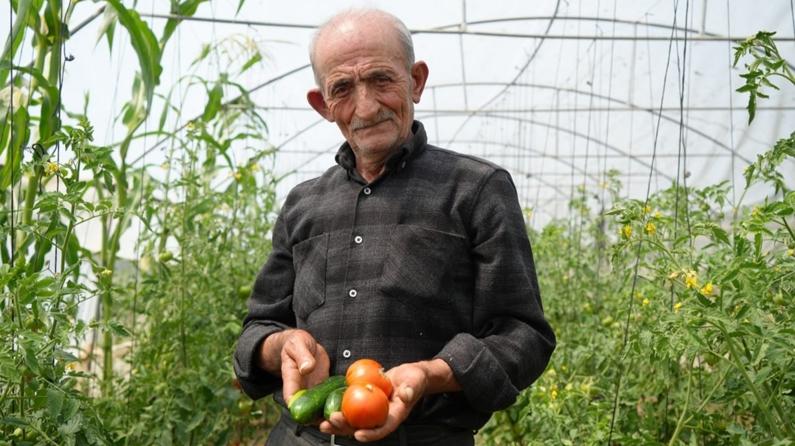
[[431, 260]]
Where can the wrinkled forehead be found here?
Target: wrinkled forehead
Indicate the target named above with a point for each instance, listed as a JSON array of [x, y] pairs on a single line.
[[351, 39]]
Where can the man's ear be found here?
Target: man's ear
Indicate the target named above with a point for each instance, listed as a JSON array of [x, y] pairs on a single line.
[[419, 75], [316, 100]]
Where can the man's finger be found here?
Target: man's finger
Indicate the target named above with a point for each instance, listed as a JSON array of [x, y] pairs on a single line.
[[291, 382], [336, 425], [406, 394], [301, 353]]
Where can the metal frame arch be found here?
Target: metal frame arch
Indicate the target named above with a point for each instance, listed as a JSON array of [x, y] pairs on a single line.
[[569, 131], [631, 105]]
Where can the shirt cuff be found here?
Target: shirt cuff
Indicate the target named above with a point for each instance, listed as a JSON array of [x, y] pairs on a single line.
[[254, 381], [483, 380]]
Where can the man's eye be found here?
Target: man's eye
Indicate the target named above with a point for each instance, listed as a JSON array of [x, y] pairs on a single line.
[[339, 90], [382, 80]]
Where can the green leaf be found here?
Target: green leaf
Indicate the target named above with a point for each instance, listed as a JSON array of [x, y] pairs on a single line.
[[30, 358], [213, 102], [720, 234], [72, 426], [13, 421], [256, 58], [54, 402], [205, 51], [118, 329], [17, 33], [187, 8], [145, 45], [108, 26], [10, 173], [198, 418]]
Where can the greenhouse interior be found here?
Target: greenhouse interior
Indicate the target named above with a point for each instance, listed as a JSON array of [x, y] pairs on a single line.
[[148, 148]]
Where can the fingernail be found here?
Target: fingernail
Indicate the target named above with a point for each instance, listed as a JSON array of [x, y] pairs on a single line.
[[303, 367], [408, 394]]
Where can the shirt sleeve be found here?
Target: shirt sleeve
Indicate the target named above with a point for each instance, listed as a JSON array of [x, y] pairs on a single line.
[[511, 341], [270, 310]]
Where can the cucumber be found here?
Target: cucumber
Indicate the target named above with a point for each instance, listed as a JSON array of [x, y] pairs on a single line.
[[333, 402], [306, 407]]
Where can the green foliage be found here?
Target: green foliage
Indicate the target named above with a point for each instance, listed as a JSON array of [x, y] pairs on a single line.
[[767, 64], [679, 313], [155, 368], [675, 321], [696, 349]]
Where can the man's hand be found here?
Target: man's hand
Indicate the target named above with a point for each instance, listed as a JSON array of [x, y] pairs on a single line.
[[297, 357], [411, 382]]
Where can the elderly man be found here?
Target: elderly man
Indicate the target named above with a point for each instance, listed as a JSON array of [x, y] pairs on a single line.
[[403, 252]]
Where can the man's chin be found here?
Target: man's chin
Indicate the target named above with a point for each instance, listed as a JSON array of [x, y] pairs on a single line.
[[376, 145]]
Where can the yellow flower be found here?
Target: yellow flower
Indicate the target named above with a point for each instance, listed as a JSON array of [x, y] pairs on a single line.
[[237, 175], [650, 228], [657, 214], [677, 307], [691, 279], [626, 231], [646, 302], [51, 168], [646, 209], [707, 289], [791, 252]]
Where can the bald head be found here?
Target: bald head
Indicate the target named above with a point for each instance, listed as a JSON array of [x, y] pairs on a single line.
[[361, 20]]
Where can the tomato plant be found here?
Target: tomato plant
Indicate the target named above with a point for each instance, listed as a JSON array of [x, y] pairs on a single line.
[[368, 371], [364, 406]]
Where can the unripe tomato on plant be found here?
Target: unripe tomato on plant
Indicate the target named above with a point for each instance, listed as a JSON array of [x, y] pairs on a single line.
[[244, 291], [368, 371], [364, 406], [165, 256]]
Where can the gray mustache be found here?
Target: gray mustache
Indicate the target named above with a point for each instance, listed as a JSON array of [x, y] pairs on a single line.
[[382, 115]]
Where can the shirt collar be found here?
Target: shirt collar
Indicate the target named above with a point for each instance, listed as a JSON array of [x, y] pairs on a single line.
[[403, 154]]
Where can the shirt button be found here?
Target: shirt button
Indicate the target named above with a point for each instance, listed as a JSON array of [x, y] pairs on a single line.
[[358, 239], [367, 191], [352, 293], [346, 353]]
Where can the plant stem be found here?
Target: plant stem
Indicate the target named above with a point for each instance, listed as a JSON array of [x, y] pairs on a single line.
[[786, 225], [681, 422], [761, 401]]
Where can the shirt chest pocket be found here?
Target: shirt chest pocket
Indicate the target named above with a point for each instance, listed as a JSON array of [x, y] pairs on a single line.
[[423, 266], [309, 262]]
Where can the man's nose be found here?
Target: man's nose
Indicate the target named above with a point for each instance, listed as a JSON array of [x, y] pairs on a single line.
[[366, 104]]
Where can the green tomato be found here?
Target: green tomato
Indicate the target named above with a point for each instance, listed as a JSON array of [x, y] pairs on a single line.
[[165, 256], [244, 291]]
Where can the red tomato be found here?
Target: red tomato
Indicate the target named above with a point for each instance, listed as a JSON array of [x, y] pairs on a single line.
[[364, 406], [364, 371]]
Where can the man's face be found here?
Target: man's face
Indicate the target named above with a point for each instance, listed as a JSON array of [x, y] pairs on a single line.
[[367, 88]]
